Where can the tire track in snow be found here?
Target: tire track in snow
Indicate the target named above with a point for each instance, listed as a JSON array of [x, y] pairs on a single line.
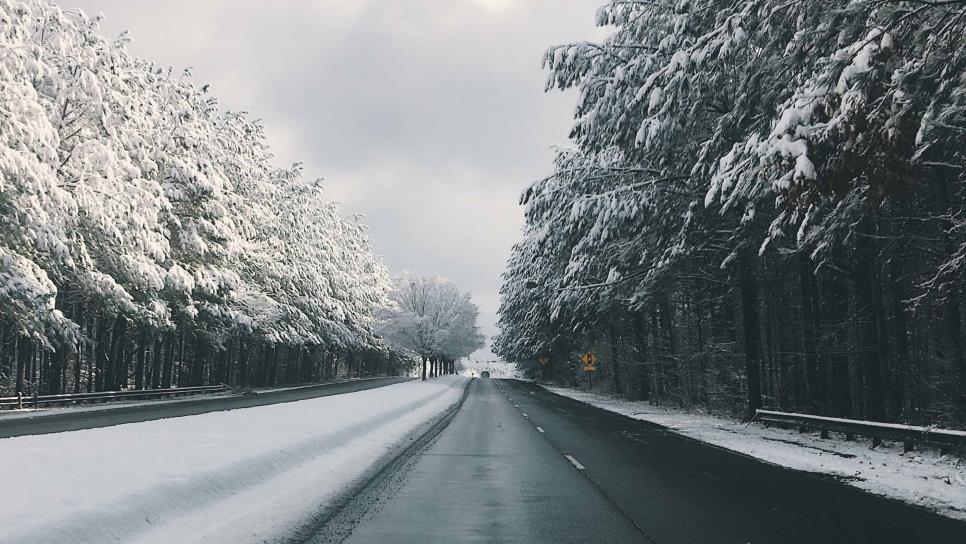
[[136, 513]]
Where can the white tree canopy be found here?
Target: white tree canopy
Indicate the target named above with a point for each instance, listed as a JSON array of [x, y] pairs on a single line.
[[431, 317], [125, 188]]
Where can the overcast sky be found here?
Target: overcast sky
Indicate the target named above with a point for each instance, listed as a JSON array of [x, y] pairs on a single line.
[[427, 116]]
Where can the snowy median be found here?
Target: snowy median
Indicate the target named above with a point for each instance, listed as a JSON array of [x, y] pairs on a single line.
[[248, 475], [922, 478]]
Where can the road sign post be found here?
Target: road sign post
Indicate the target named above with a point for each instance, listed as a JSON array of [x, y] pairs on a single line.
[[590, 366]]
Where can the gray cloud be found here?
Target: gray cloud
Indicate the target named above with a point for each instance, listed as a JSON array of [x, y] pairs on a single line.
[[427, 116]]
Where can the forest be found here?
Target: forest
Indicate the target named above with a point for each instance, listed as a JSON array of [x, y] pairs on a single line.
[[763, 207], [147, 240]]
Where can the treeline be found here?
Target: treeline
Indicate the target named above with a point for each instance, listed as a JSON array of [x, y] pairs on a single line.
[[765, 209], [146, 239], [122, 359]]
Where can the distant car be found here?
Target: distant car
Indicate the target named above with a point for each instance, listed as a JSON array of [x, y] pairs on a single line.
[[485, 374]]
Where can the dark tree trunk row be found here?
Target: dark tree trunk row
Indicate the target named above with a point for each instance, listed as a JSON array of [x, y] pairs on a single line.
[[845, 337], [112, 355]]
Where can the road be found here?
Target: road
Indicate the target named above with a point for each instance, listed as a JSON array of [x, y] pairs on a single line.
[[520, 464], [67, 420]]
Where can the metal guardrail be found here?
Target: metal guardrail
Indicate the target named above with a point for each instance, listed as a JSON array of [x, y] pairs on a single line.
[[36, 401], [909, 435]]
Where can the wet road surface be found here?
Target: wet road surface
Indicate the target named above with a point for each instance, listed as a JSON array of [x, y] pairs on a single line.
[[520, 464]]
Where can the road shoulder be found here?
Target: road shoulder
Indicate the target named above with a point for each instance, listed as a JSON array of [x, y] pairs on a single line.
[[922, 478]]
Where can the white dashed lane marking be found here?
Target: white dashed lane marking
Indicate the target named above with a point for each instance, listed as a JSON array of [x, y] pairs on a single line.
[[575, 462], [541, 429]]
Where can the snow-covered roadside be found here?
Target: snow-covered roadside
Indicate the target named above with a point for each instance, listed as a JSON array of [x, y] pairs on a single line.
[[268, 390], [924, 478], [247, 475]]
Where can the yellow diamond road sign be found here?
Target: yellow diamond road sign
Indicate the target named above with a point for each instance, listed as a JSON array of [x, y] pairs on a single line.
[[590, 361]]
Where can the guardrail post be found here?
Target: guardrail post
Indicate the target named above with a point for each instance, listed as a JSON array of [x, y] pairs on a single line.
[[35, 400], [907, 445], [19, 400], [824, 434]]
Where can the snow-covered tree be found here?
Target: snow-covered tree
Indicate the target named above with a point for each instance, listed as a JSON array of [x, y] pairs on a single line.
[[738, 158], [147, 237], [431, 317]]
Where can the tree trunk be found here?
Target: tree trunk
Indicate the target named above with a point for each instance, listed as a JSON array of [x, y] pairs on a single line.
[[669, 345], [836, 296], [100, 356], [24, 350], [156, 361], [81, 347], [814, 380], [897, 401], [643, 364], [201, 353], [119, 355], [58, 361], [863, 276], [167, 372], [613, 358], [140, 360], [752, 332]]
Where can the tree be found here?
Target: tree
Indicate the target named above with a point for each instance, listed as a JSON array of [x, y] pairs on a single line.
[[431, 317], [148, 240], [753, 177]]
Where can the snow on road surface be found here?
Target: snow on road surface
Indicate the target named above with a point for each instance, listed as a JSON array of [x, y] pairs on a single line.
[[923, 478], [247, 475]]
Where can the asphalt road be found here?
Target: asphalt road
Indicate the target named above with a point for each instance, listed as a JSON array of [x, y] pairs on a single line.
[[66, 420], [520, 464]]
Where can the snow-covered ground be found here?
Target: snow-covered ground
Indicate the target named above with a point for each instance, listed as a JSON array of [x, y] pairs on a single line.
[[924, 477], [266, 390], [247, 475]]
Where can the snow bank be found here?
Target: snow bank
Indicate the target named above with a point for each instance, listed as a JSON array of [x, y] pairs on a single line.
[[922, 478], [238, 476]]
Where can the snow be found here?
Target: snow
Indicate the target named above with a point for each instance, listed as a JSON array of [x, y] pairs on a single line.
[[923, 478], [863, 53], [129, 184], [237, 476], [267, 390]]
